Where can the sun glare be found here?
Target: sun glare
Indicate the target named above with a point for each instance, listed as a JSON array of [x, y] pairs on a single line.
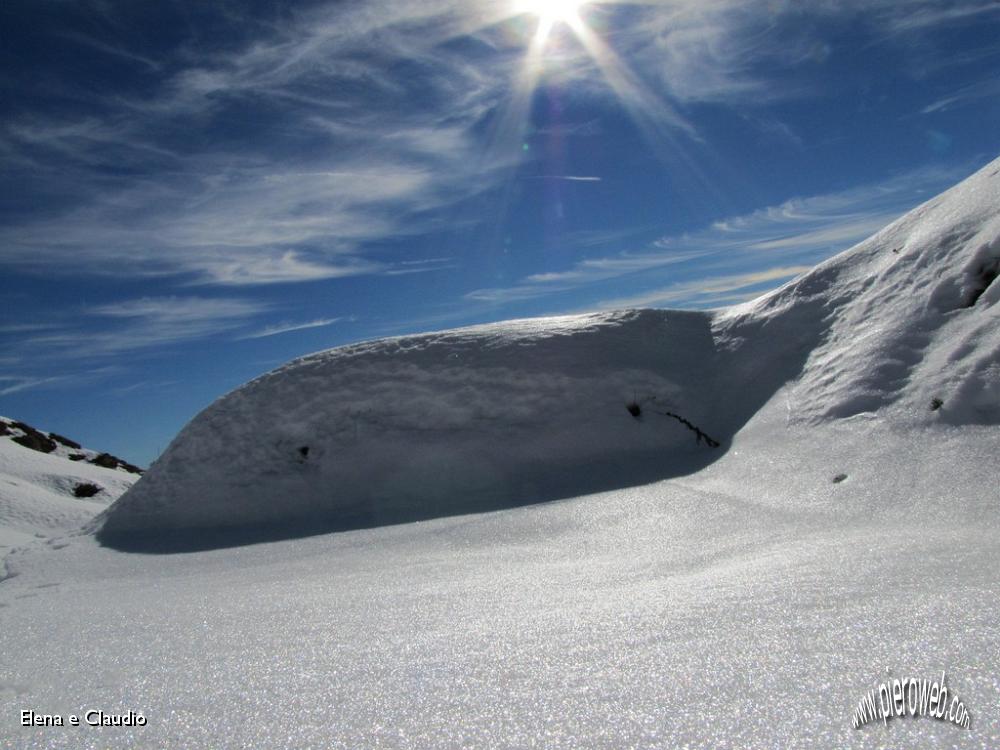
[[655, 117], [551, 11]]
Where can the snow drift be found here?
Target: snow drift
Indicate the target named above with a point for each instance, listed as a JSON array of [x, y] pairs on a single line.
[[902, 327], [443, 423]]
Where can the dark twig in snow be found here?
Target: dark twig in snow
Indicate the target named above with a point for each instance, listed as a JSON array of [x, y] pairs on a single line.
[[699, 435], [636, 411]]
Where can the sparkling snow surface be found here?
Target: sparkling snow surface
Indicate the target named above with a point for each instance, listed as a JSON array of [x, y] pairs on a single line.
[[748, 606], [849, 525]]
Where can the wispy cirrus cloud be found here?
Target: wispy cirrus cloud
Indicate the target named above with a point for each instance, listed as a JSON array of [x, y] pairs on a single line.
[[280, 328], [985, 89], [243, 224], [177, 309], [917, 15], [87, 345], [110, 49], [424, 265], [566, 177], [707, 292], [343, 151], [758, 245], [328, 129], [749, 51], [10, 384], [585, 272], [145, 323], [8, 328]]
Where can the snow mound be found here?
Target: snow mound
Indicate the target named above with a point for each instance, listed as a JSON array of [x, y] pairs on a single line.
[[902, 327], [443, 423]]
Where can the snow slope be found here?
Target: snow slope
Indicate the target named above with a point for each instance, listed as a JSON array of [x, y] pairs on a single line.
[[904, 318], [37, 490], [846, 531], [512, 413]]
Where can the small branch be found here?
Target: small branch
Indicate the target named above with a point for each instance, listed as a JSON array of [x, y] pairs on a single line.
[[636, 411], [699, 435]]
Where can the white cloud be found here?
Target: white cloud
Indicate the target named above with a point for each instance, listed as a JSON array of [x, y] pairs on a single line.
[[146, 323], [112, 50], [346, 153], [598, 269], [368, 121], [26, 383], [802, 229], [714, 290], [986, 89], [844, 233], [23, 328], [178, 309], [79, 350], [747, 51], [566, 177], [917, 15], [275, 330]]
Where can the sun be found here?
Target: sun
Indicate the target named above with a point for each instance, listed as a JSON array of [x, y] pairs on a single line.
[[551, 11]]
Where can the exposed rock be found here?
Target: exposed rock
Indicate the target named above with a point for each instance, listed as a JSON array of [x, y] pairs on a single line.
[[65, 441], [107, 461], [86, 489], [48, 442], [35, 440]]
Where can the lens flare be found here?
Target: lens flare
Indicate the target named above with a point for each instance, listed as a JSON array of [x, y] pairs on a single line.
[[656, 118]]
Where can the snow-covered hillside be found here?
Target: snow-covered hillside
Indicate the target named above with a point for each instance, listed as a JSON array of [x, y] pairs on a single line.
[[903, 325], [676, 593], [50, 485]]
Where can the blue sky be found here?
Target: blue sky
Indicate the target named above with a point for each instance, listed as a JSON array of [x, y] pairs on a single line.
[[194, 193]]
